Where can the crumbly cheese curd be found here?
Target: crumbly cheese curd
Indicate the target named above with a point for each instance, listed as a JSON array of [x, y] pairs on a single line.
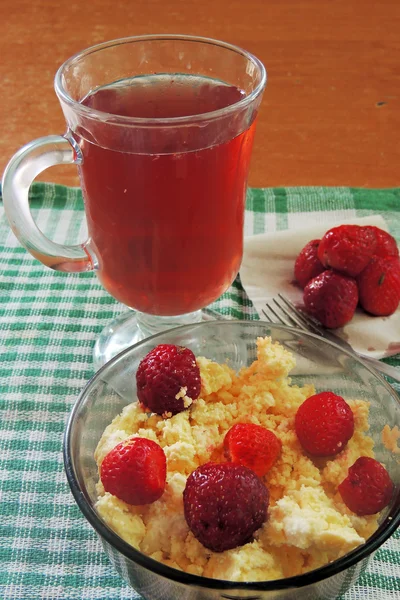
[[308, 525]]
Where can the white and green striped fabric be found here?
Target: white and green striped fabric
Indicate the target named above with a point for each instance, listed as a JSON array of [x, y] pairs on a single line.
[[48, 324]]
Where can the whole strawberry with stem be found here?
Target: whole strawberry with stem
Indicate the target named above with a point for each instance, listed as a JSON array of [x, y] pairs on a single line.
[[367, 488], [308, 265], [168, 379], [135, 471], [252, 446], [347, 248], [331, 298], [324, 423], [379, 286], [224, 504]]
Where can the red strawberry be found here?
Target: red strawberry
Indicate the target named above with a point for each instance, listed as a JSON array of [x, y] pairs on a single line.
[[386, 245], [224, 504], [331, 298], [379, 286], [307, 263], [367, 488], [252, 446], [168, 379], [347, 248], [324, 424], [135, 471]]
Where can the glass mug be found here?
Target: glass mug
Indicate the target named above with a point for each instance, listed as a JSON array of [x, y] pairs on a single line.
[[161, 129]]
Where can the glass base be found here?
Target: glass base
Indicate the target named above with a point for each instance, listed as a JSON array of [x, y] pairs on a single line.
[[133, 326]]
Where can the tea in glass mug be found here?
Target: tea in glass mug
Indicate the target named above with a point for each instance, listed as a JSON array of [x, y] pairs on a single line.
[[161, 129]]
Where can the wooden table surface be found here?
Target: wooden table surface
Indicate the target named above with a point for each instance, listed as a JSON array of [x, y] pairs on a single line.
[[330, 114]]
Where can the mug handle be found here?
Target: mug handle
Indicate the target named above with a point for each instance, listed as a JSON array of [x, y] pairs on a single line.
[[18, 176]]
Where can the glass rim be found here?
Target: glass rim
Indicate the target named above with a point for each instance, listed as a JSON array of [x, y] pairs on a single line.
[[384, 531], [143, 121]]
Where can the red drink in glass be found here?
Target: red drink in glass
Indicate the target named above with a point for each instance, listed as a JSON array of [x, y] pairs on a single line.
[[166, 225], [161, 128]]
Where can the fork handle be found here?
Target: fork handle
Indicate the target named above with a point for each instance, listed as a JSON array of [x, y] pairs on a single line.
[[382, 367]]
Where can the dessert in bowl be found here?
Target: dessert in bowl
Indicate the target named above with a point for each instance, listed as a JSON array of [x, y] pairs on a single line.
[[309, 544]]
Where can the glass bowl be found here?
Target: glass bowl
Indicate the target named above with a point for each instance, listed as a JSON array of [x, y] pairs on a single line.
[[320, 362]]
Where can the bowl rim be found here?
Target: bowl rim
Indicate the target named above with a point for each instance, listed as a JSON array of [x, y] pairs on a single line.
[[385, 530]]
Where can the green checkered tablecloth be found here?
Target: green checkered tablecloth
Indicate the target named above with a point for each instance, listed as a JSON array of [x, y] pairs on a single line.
[[48, 324]]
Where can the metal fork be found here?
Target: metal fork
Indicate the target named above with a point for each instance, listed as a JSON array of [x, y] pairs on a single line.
[[283, 311]]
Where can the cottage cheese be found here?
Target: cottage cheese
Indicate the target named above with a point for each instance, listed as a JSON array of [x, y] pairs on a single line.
[[308, 525]]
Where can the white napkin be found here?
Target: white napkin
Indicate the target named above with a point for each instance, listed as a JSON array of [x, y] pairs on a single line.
[[267, 269]]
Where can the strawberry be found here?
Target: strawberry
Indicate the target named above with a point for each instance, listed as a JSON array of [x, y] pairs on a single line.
[[367, 488], [252, 446], [224, 504], [347, 248], [168, 379], [331, 298], [379, 286], [308, 265], [324, 423], [386, 245], [135, 471]]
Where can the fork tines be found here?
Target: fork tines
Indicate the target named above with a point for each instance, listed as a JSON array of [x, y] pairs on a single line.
[[282, 310]]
